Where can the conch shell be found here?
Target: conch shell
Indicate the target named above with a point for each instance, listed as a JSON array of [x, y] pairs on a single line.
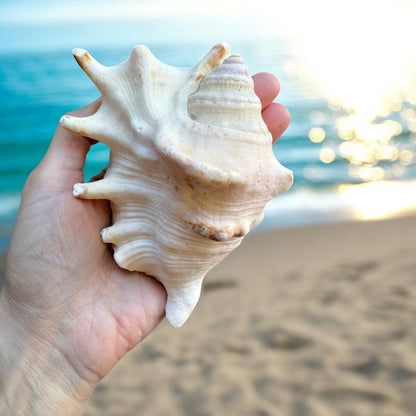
[[191, 165]]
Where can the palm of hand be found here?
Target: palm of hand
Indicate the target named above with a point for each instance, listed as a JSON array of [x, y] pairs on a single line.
[[74, 283]]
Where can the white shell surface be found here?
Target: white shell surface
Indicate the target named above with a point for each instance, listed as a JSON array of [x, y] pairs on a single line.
[[191, 165]]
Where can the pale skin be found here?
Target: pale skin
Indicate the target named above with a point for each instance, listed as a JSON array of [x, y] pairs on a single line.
[[68, 313]]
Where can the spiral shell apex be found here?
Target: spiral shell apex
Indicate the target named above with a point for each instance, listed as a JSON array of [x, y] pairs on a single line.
[[191, 165]]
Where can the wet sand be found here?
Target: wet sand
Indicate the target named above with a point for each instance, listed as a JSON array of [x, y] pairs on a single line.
[[305, 321]]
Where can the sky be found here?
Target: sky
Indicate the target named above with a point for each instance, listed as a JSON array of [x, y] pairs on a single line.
[[28, 24], [87, 10], [58, 11], [282, 15], [308, 21], [356, 51], [319, 21]]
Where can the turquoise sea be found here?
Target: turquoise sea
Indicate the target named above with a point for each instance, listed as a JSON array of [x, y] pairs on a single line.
[[38, 85]]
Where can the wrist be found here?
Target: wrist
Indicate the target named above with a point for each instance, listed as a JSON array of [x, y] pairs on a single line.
[[35, 377]]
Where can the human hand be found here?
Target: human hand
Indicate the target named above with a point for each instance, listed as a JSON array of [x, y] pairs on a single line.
[[75, 313], [70, 313]]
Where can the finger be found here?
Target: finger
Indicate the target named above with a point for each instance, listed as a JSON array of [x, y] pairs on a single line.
[[277, 118], [266, 87], [152, 296], [67, 152]]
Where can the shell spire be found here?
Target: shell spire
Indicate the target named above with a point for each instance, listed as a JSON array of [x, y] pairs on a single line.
[[191, 165]]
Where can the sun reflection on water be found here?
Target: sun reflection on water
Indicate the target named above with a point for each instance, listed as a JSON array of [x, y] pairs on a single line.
[[376, 200], [378, 152], [365, 66], [379, 148]]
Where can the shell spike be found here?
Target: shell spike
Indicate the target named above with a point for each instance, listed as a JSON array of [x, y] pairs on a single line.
[[121, 230], [95, 71], [214, 57], [141, 52], [91, 126], [181, 302], [80, 125], [93, 190]]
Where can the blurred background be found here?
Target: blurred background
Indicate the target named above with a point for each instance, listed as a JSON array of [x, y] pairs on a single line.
[[347, 70], [316, 317]]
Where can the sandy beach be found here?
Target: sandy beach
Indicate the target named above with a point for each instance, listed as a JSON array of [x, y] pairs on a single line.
[[306, 321]]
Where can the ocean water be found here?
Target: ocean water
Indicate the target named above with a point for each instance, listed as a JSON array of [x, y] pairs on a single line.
[[38, 87]]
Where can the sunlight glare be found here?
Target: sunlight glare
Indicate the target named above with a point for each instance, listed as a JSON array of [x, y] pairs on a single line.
[[377, 200], [327, 155], [317, 135], [361, 61], [360, 56]]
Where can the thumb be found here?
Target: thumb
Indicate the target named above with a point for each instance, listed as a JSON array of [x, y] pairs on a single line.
[[67, 152]]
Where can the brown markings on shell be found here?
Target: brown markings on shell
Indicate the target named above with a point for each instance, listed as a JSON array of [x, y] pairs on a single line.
[[81, 132], [83, 60], [217, 234], [188, 182]]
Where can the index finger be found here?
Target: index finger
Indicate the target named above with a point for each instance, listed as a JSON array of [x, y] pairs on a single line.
[[266, 87]]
